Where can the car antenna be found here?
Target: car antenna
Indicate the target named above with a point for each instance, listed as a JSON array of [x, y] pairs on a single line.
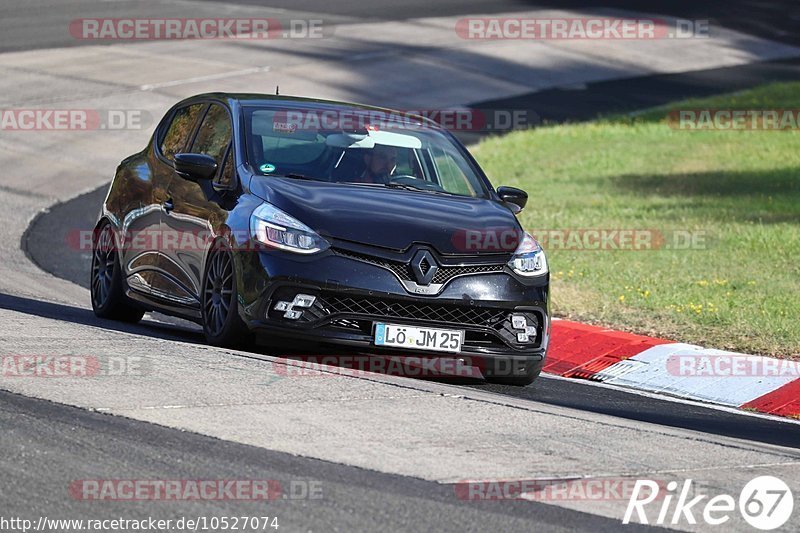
[[277, 90]]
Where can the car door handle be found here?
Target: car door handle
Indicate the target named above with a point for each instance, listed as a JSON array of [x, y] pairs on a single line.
[[168, 206]]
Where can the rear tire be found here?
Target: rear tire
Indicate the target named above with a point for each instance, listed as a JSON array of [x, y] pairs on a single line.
[[107, 289], [222, 324]]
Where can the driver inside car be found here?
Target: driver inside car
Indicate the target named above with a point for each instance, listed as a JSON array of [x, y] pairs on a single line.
[[381, 162]]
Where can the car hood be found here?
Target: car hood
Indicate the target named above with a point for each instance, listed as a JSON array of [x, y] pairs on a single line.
[[393, 218]]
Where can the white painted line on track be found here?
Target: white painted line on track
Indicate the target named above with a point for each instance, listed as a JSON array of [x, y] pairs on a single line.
[[210, 77]]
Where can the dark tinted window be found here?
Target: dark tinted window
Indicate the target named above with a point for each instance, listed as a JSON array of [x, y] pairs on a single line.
[[214, 135], [341, 149], [179, 130], [226, 176]]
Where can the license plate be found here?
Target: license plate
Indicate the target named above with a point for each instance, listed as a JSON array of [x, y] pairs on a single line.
[[414, 338]]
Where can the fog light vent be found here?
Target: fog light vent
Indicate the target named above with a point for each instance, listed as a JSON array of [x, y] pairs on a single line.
[[525, 333], [294, 310]]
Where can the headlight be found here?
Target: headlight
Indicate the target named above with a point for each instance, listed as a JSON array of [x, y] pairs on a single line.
[[529, 258], [271, 226]]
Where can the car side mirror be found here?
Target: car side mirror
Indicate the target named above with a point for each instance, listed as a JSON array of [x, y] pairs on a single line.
[[195, 167], [513, 196]]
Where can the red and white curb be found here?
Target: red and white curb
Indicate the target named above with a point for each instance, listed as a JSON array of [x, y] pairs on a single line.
[[763, 384]]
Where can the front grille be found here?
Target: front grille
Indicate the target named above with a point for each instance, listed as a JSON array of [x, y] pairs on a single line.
[[403, 270], [375, 307], [493, 326], [485, 327], [445, 274]]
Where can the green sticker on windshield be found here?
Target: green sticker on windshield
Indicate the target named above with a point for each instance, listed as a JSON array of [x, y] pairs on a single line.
[[266, 168]]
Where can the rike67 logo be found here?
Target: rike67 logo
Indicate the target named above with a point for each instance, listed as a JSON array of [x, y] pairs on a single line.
[[766, 503]]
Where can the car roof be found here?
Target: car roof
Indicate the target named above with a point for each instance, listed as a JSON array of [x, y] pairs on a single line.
[[257, 99]]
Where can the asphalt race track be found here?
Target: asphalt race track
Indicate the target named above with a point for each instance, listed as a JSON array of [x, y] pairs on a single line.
[[355, 499], [386, 452]]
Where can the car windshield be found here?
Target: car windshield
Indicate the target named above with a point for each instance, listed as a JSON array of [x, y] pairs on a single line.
[[358, 148]]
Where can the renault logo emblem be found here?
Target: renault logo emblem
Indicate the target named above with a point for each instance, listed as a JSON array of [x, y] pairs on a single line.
[[424, 267]]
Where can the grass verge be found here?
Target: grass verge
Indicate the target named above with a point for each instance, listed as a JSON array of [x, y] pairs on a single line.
[[727, 204]]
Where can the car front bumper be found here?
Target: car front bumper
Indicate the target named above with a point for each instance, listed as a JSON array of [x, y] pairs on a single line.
[[351, 295]]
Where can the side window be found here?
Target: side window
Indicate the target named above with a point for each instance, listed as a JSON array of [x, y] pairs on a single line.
[[451, 175], [226, 176], [214, 135], [179, 130]]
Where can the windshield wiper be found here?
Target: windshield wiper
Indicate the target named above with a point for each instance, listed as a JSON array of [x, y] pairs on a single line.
[[380, 185], [403, 186], [395, 185], [409, 187]]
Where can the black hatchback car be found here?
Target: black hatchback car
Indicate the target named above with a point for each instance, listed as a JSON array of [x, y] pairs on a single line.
[[320, 225]]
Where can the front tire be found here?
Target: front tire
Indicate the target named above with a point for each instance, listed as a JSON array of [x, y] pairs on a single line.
[[108, 292], [222, 324]]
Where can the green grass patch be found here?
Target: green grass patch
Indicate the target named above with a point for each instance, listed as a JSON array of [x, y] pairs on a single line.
[[738, 191]]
